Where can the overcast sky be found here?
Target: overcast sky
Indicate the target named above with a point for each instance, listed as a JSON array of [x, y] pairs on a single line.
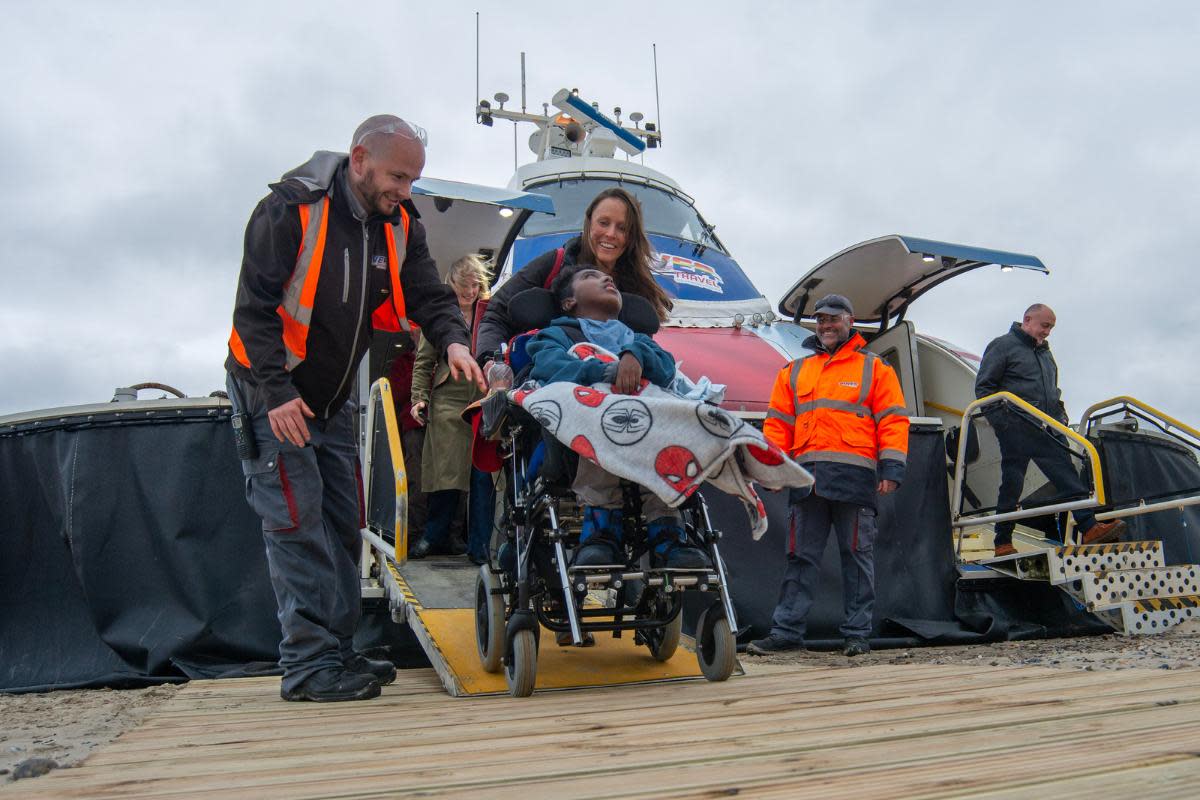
[[135, 138]]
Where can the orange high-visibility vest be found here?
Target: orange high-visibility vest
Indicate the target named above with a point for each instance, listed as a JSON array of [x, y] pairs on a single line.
[[301, 288], [847, 408]]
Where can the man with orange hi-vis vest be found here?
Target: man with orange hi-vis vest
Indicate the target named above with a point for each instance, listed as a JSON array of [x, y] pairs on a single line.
[[840, 414], [334, 252]]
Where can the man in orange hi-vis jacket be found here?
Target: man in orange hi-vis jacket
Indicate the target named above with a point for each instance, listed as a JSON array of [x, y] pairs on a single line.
[[840, 413]]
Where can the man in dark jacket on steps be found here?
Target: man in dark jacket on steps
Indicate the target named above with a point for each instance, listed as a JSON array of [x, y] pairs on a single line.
[[334, 252], [1020, 362]]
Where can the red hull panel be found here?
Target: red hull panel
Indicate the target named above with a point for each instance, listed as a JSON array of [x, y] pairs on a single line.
[[741, 360]]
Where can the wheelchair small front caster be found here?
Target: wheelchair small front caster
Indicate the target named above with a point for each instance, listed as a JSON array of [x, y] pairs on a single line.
[[520, 670], [664, 641], [716, 647]]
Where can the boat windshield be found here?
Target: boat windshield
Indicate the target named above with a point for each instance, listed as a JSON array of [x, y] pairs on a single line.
[[664, 213]]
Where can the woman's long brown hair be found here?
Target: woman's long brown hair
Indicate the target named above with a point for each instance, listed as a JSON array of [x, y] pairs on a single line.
[[632, 273]]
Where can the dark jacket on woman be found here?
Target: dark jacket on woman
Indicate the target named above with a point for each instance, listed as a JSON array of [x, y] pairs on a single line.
[[496, 326], [1016, 363]]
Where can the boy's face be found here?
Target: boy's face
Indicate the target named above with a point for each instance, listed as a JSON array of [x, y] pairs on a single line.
[[595, 296]]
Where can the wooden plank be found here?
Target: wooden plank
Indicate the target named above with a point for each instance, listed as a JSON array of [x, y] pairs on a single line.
[[900, 706], [919, 730]]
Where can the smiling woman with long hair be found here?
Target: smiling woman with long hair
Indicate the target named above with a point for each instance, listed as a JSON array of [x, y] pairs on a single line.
[[613, 239]]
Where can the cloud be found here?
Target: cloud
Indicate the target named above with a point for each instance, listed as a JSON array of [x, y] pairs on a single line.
[[136, 139]]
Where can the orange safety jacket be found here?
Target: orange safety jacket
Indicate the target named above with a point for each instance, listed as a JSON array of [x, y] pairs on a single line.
[[301, 289], [846, 409]]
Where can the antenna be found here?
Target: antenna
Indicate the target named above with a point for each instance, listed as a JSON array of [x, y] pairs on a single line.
[[522, 110], [657, 106], [475, 100]]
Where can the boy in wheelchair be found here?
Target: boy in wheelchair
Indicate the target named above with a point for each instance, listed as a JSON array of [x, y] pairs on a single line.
[[590, 302], [663, 445]]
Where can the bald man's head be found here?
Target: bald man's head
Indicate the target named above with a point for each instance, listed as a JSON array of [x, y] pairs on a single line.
[[386, 155], [374, 128], [1039, 320]]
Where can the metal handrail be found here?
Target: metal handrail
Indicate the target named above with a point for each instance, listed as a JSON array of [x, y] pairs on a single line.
[[1125, 401], [959, 522], [381, 392]]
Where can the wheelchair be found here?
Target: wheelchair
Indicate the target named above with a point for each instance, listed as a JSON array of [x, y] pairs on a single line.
[[530, 583]]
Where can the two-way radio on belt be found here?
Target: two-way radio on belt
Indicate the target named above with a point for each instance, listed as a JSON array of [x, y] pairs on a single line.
[[243, 430]]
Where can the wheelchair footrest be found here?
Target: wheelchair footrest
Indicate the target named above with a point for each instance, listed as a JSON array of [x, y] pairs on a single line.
[[584, 578]]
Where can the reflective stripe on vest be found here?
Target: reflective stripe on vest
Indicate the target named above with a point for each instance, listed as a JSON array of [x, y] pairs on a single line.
[[301, 289], [392, 316], [830, 438]]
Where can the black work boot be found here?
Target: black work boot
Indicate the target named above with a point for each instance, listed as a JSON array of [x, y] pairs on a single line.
[[774, 643], [856, 646], [333, 686], [384, 672]]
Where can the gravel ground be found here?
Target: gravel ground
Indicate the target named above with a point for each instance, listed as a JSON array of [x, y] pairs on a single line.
[[1178, 648], [63, 727]]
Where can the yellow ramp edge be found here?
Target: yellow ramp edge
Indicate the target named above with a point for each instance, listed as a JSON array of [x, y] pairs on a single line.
[[610, 662]]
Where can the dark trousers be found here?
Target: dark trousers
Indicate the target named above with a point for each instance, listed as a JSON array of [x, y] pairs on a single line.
[[443, 506], [310, 502], [854, 528], [1017, 449]]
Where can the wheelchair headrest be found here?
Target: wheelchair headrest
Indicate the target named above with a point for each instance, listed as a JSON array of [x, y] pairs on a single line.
[[534, 308]]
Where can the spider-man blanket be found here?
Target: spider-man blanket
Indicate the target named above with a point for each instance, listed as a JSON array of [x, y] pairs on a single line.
[[659, 440]]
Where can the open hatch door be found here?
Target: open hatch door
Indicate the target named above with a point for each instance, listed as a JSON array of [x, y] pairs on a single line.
[[464, 218], [882, 276]]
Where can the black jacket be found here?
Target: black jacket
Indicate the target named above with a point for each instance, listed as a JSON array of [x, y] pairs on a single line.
[[1015, 363], [353, 282], [496, 325]]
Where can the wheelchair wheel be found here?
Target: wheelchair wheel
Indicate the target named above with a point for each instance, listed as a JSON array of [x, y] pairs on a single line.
[[489, 620], [664, 641], [716, 647], [521, 670]]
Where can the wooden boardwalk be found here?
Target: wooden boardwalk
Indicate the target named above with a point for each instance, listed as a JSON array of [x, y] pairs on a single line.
[[875, 731]]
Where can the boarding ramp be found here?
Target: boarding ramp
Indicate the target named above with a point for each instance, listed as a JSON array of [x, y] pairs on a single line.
[[1128, 585], [435, 596]]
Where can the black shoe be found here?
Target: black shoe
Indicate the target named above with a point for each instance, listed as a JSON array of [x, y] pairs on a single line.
[[477, 560], [856, 646], [419, 550], [774, 643], [681, 556], [333, 686], [563, 639], [384, 672], [456, 547], [596, 552]]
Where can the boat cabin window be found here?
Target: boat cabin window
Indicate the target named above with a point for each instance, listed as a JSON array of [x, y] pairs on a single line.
[[663, 212]]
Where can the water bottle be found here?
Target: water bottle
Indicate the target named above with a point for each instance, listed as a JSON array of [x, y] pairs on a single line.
[[499, 374]]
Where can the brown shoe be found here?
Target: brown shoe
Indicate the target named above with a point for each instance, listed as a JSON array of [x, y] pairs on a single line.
[[1104, 532], [1003, 550]]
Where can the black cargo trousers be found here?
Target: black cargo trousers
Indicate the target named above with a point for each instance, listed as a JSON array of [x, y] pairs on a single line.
[[311, 504]]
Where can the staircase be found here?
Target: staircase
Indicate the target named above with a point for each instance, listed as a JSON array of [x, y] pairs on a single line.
[[1126, 585]]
